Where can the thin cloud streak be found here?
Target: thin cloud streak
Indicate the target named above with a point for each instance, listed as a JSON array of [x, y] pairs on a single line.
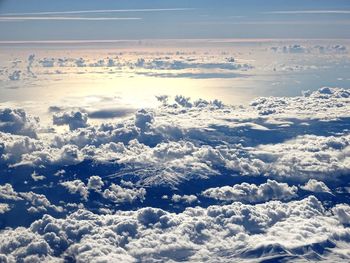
[[338, 22], [26, 18], [98, 11], [295, 12]]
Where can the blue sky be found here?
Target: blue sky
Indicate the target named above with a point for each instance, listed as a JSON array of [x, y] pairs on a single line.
[[144, 19]]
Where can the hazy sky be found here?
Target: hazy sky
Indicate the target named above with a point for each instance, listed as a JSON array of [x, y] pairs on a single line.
[[131, 19]]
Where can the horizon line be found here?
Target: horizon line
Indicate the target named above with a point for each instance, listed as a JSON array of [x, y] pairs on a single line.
[[210, 40]]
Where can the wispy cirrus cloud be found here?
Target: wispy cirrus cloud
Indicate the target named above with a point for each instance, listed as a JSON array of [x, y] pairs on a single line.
[[274, 22], [58, 18], [99, 11], [315, 12], [73, 15]]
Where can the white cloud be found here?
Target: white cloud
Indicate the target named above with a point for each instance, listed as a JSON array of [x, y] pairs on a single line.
[[74, 120], [95, 183], [16, 121], [316, 186], [94, 11], [77, 186], [39, 202], [4, 208], [8, 193], [219, 233], [251, 193], [342, 211], [184, 198], [143, 119], [190, 147], [118, 194], [295, 12], [71, 18]]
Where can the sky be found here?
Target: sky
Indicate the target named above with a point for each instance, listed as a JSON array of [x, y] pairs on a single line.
[[41, 20], [204, 150]]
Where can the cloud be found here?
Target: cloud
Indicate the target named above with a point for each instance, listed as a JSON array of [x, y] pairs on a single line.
[[73, 15], [318, 49], [251, 193], [100, 11], [74, 120], [39, 202], [4, 208], [110, 113], [95, 183], [118, 194], [16, 121], [184, 198], [63, 18], [238, 181], [166, 64], [313, 12], [316, 186], [77, 186], [342, 211], [8, 193], [312, 157], [219, 233], [176, 65], [143, 119]]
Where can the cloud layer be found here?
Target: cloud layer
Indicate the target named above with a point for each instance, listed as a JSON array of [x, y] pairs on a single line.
[[186, 181]]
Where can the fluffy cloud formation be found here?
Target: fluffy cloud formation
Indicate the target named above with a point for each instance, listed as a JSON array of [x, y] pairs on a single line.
[[251, 193], [316, 186], [4, 208], [162, 64], [205, 137], [77, 186], [217, 233], [95, 183], [187, 181], [118, 194], [16, 121], [74, 120], [184, 198]]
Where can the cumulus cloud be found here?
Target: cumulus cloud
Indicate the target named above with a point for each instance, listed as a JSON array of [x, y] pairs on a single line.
[[184, 198], [77, 186], [143, 119], [74, 120], [251, 193], [312, 156], [101, 185], [8, 193], [118, 194], [342, 211], [16, 121], [316, 186], [4, 208], [197, 234], [95, 183], [39, 202]]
